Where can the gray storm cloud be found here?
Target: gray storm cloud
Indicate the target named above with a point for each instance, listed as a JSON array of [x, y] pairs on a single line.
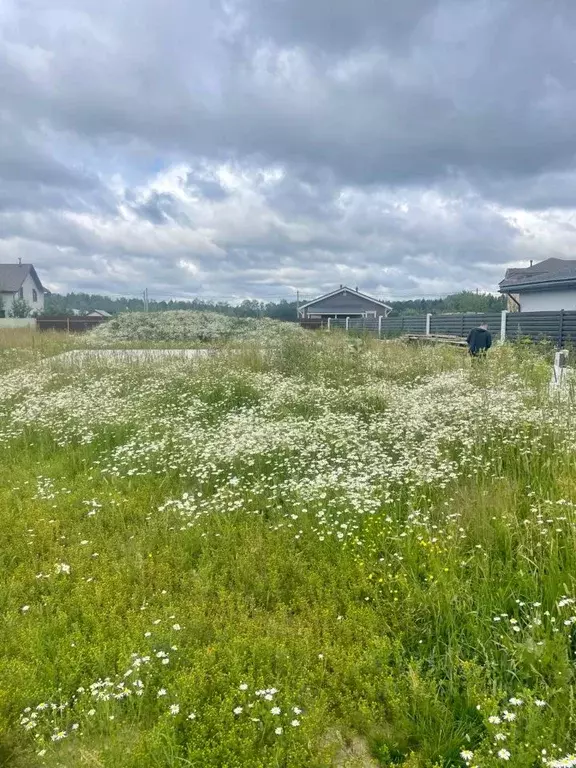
[[257, 147]]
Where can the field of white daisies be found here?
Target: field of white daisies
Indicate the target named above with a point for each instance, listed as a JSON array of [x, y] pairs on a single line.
[[303, 552]]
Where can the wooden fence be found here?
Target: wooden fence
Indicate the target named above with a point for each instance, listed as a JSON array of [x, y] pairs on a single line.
[[74, 324]]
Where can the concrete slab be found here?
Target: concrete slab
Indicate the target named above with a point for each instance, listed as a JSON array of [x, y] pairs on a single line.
[[81, 356]]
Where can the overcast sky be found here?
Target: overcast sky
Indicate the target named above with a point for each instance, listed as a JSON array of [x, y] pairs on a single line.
[[234, 148]]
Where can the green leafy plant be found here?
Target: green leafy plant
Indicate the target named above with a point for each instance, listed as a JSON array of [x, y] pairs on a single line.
[[20, 308]]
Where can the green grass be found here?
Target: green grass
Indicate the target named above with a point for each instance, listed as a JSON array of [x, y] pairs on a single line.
[[382, 534]]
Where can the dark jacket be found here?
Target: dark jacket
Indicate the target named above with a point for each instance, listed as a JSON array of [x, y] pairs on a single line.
[[479, 340]]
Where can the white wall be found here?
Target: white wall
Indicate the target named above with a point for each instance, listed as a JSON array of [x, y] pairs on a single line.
[[547, 301], [28, 288], [18, 322]]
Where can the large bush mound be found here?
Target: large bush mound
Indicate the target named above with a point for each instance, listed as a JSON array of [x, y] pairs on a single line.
[[187, 325]]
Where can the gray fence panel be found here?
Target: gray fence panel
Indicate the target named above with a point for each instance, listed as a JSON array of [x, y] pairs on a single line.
[[535, 326], [415, 323], [462, 324], [404, 324], [493, 319], [556, 327], [362, 324], [452, 325], [569, 328], [392, 324]]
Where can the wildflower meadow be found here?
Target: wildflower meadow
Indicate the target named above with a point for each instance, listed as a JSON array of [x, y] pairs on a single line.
[[185, 326], [305, 551]]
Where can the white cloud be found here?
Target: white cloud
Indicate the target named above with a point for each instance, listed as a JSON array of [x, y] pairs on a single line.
[[227, 148]]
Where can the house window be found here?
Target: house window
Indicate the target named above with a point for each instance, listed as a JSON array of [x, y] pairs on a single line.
[[21, 293], [34, 295]]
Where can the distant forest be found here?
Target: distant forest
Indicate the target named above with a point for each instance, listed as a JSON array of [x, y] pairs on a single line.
[[82, 303]]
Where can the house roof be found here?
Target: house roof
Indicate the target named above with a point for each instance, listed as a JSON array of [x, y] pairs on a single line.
[[101, 312], [13, 275], [551, 273], [343, 289]]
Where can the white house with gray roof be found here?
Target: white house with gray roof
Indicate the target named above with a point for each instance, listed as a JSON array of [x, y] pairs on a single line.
[[547, 286], [342, 303], [20, 281]]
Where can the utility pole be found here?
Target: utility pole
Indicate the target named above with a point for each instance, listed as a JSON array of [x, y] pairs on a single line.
[[297, 305], [145, 295]]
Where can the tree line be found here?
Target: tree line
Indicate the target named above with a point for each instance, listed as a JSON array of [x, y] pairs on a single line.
[[82, 303]]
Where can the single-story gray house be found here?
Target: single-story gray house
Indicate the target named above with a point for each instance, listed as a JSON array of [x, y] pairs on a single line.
[[549, 285], [342, 303], [20, 281]]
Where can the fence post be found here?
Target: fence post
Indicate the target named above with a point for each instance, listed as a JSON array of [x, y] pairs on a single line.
[[68, 324], [347, 323], [428, 323], [379, 326], [561, 330], [503, 323], [329, 323]]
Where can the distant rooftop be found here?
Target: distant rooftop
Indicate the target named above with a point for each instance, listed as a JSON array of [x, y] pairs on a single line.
[[345, 289], [546, 274], [13, 275]]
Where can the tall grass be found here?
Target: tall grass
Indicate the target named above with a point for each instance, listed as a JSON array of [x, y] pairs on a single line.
[[256, 559], [20, 346]]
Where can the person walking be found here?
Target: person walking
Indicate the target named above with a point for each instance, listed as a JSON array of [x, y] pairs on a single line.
[[479, 341]]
